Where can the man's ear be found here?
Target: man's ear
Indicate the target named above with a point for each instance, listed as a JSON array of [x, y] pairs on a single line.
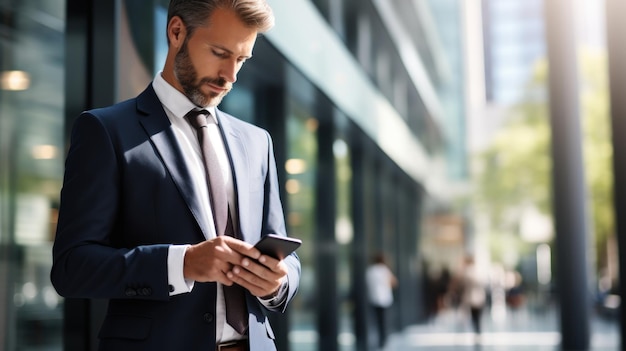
[[176, 31]]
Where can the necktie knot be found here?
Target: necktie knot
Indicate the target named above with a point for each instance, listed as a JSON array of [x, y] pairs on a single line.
[[198, 118]]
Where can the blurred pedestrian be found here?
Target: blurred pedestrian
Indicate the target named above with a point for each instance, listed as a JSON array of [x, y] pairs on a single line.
[[380, 283], [474, 294]]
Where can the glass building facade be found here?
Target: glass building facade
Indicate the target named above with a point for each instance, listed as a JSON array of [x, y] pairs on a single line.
[[31, 151], [350, 97]]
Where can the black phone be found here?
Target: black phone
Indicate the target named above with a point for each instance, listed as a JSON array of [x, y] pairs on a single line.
[[277, 246]]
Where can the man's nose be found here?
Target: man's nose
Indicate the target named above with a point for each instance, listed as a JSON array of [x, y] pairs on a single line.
[[229, 71]]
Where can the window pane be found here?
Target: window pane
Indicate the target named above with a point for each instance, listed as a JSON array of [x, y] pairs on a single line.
[[31, 168], [301, 168]]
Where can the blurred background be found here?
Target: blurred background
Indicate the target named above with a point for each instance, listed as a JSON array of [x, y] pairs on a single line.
[[422, 129]]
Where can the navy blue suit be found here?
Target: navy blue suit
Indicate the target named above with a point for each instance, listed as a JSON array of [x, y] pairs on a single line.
[[126, 197]]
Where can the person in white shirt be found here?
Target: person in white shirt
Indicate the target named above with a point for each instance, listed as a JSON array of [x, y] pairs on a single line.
[[380, 284], [474, 294]]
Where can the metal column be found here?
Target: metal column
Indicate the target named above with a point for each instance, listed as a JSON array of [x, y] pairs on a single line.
[[325, 244], [616, 26], [568, 176]]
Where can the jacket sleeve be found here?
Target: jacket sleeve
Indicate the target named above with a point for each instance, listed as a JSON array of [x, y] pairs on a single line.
[[86, 263], [274, 223]]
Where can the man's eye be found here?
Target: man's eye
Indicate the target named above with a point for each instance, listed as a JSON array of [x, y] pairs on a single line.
[[220, 54]]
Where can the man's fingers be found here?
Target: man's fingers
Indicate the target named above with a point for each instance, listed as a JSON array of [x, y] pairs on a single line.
[[241, 247], [269, 262], [256, 285], [212, 259], [259, 279], [229, 249]]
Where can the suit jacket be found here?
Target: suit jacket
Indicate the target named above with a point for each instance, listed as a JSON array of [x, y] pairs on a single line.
[[126, 197]]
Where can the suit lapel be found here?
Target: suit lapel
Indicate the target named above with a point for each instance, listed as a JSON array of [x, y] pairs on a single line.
[[159, 129], [238, 159]]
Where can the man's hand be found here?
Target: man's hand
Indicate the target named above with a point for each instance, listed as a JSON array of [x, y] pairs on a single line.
[[210, 260], [227, 260], [262, 277]]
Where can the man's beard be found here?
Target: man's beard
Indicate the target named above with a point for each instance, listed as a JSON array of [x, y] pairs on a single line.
[[187, 77]]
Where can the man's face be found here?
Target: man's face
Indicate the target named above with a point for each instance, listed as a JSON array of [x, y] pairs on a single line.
[[207, 63]]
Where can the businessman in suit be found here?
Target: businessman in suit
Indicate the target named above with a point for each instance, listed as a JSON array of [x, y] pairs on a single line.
[[139, 221]]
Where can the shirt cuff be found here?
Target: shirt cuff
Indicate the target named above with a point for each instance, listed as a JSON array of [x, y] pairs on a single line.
[[175, 261], [279, 298]]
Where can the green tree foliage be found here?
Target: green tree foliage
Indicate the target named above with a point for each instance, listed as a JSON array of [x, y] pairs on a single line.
[[514, 172]]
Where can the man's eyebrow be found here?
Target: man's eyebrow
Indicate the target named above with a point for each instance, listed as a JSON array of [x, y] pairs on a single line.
[[230, 51]]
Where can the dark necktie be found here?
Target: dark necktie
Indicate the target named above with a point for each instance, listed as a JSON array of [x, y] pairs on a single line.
[[234, 296]]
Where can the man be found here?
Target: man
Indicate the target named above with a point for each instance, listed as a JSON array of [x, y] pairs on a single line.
[[139, 220]]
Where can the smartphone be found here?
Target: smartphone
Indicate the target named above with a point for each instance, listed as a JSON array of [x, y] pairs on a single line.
[[277, 246]]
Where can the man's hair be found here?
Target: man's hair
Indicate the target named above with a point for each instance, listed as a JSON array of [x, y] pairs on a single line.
[[195, 13]]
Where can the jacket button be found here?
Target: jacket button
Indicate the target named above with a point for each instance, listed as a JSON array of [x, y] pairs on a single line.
[[208, 318], [171, 288], [146, 291], [130, 292]]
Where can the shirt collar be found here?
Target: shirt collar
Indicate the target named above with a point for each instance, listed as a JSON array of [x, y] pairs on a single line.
[[175, 101]]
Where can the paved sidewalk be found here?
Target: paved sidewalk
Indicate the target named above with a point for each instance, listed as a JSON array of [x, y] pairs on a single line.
[[506, 331]]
